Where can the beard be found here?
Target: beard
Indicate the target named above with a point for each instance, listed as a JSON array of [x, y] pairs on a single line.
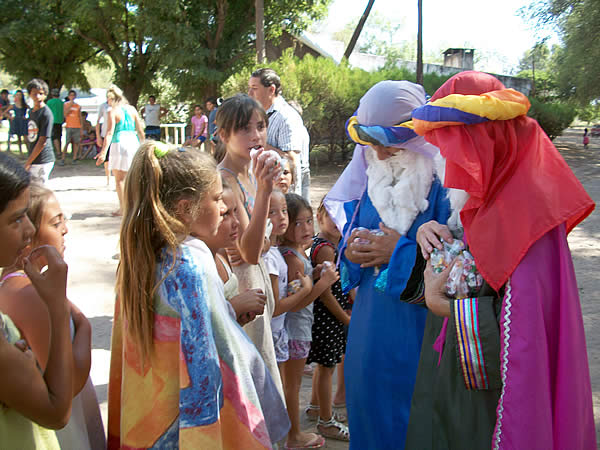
[[399, 186]]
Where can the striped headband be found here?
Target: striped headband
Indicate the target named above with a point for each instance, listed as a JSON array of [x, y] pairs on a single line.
[[458, 109], [393, 136]]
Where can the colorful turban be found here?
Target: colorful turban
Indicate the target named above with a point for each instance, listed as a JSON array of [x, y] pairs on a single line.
[[379, 120], [520, 187]]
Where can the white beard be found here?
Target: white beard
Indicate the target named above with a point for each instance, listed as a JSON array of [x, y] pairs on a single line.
[[398, 187], [457, 197]]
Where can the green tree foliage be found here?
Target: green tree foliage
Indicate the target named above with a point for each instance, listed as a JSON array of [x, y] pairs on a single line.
[[578, 22], [196, 44], [327, 93], [36, 41], [553, 116]]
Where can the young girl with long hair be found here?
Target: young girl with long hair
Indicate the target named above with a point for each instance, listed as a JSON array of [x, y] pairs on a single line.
[[299, 320], [30, 314], [328, 333], [246, 305], [31, 399], [278, 271], [183, 373], [124, 133], [18, 120], [242, 127]]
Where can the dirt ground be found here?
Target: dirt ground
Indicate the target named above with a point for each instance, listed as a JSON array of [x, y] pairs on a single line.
[[92, 246]]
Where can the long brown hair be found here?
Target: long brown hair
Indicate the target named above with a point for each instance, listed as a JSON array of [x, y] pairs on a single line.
[[153, 188]]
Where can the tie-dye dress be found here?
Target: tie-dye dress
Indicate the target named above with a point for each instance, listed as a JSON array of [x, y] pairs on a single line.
[[205, 386]]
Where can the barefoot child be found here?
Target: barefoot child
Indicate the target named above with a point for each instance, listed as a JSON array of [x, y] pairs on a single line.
[[30, 314], [183, 373], [328, 336], [278, 271], [31, 399], [300, 319]]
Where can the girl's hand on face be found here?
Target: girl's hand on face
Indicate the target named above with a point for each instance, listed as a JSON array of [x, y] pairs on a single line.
[[429, 235], [52, 284], [329, 275], [435, 290]]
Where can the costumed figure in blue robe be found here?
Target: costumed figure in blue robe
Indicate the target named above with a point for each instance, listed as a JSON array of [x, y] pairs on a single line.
[[387, 191]]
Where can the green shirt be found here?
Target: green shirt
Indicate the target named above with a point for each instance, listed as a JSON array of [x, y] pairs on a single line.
[[56, 106]]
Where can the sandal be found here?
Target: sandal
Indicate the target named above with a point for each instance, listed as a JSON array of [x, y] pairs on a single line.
[[312, 412], [333, 429]]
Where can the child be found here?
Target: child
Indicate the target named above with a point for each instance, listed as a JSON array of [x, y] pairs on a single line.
[[39, 140], [17, 114], [286, 180], [329, 338], [30, 314], [183, 373], [300, 319], [242, 127], [26, 394], [278, 271], [199, 128], [248, 305], [586, 138]]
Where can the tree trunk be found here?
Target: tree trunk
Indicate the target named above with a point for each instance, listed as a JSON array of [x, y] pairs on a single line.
[[358, 30], [260, 31], [420, 43]]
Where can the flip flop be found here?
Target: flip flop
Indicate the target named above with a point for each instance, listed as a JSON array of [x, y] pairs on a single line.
[[339, 405], [317, 442]]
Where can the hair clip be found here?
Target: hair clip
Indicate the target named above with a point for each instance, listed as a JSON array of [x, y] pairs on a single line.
[[161, 149]]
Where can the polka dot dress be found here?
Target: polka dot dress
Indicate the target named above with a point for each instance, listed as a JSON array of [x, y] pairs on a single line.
[[329, 338]]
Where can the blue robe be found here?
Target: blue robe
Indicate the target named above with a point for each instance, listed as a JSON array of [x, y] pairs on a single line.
[[384, 340]]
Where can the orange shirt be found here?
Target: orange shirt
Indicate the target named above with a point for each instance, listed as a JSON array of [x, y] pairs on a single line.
[[73, 119]]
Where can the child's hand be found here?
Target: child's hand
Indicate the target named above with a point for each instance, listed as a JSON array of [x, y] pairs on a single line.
[[52, 284], [316, 273], [252, 301], [234, 256], [267, 170], [429, 235], [243, 319], [306, 281], [329, 274]]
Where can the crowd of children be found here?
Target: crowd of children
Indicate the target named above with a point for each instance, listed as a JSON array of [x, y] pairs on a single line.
[[224, 293]]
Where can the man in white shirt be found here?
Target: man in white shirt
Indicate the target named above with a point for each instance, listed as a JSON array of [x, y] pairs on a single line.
[[286, 131], [152, 112]]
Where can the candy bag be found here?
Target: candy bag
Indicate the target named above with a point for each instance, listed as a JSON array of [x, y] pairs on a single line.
[[464, 279]]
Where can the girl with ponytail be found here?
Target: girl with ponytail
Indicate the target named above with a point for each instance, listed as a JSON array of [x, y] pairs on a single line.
[[183, 373]]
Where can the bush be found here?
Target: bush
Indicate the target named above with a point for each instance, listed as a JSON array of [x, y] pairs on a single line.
[[553, 117], [328, 93]]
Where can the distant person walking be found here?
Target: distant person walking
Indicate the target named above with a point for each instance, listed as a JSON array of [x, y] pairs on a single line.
[[57, 107], [124, 133], [72, 112], [586, 138], [286, 132], [152, 112], [17, 115]]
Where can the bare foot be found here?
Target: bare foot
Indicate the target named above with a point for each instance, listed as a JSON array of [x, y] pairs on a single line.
[[305, 440]]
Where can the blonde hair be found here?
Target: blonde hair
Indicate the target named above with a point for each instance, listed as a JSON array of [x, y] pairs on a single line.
[[116, 95], [153, 188]]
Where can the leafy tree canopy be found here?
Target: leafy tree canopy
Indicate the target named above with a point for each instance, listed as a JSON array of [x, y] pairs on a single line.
[[36, 41], [578, 23]]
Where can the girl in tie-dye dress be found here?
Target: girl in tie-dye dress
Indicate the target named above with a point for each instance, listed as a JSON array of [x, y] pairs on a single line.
[[183, 373]]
